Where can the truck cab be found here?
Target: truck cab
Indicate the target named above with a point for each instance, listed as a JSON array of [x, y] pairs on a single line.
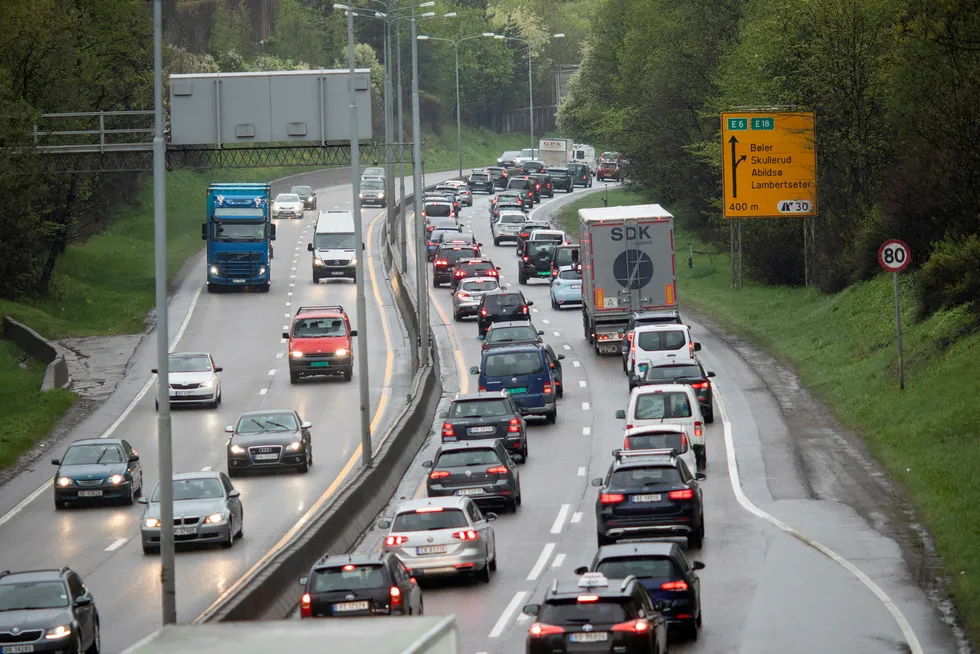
[[239, 235]]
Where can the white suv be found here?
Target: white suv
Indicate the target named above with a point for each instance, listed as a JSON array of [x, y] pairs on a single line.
[[660, 343], [507, 226]]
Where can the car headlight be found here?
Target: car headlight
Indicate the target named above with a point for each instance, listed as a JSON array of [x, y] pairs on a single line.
[[61, 631], [293, 447], [64, 481], [237, 449], [261, 270], [116, 479], [381, 196], [215, 519], [296, 354], [317, 261], [353, 262], [207, 383], [360, 195], [214, 270], [341, 352], [151, 523]]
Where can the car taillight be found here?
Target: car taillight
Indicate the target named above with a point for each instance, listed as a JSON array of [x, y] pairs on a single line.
[[497, 470], [305, 610], [439, 474], [483, 312], [629, 337], [684, 442], [611, 498], [515, 426], [525, 235], [634, 626], [674, 585], [492, 273], [482, 389], [690, 348], [697, 429], [396, 596], [702, 386], [462, 295], [686, 494], [527, 258], [524, 309], [460, 273], [448, 431], [547, 388], [465, 534], [542, 629], [537, 186], [396, 540]]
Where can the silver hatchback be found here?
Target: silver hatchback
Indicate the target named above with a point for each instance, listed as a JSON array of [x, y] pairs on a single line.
[[441, 536], [466, 299]]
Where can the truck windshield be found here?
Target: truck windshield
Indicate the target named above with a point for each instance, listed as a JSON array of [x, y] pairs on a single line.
[[237, 231], [334, 241]]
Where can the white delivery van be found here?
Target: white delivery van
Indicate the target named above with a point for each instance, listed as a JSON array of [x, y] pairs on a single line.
[[334, 246]]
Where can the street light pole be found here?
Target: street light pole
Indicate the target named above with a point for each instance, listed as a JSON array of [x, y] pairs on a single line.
[[459, 127], [389, 131], [167, 563], [420, 247]]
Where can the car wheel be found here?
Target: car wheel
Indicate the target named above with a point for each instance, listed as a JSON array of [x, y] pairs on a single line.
[[264, 288], [156, 405], [496, 241], [241, 527], [293, 377], [316, 279], [561, 391], [232, 472], [493, 564], [435, 284], [709, 416], [552, 417], [96, 645], [230, 540], [305, 466], [524, 454], [217, 401], [484, 574], [131, 498], [457, 317], [696, 539], [349, 373], [60, 506], [521, 279], [421, 607]]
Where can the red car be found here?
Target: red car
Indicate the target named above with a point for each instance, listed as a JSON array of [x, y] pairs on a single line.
[[320, 343], [607, 170]]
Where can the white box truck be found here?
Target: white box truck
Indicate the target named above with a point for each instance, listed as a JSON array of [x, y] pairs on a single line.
[[627, 259], [555, 152]]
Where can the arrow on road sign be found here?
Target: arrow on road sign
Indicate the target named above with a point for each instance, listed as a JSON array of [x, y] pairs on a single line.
[[736, 160]]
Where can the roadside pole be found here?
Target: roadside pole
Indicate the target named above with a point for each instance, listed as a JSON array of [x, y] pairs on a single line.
[[894, 256], [417, 188]]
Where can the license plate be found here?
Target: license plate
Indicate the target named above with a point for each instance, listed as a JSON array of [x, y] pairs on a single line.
[[350, 606], [238, 281], [431, 549], [337, 273], [646, 498], [265, 457], [96, 493], [320, 364], [546, 273], [184, 393], [16, 649], [481, 430], [470, 491], [517, 391], [589, 637], [576, 287], [184, 531]]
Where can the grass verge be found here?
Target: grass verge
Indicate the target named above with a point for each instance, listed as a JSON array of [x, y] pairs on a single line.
[[844, 348]]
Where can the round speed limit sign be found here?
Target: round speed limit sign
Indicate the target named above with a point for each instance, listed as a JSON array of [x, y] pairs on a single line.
[[894, 255]]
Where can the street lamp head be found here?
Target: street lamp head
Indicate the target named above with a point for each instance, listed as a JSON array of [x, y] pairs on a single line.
[[428, 14], [558, 36], [449, 15], [490, 34], [378, 14], [500, 37], [422, 37], [430, 3], [339, 6]]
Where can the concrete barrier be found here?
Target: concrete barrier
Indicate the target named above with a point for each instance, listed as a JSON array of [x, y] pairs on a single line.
[[56, 374]]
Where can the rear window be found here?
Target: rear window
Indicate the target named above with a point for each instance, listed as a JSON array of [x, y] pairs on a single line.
[[437, 234], [519, 184], [536, 247], [511, 334], [464, 458], [661, 441], [511, 218], [549, 237], [640, 567], [570, 274], [645, 477], [348, 577], [482, 285], [475, 266], [481, 177], [660, 341], [512, 364], [445, 519], [565, 256], [602, 612], [668, 373], [439, 210], [502, 300], [454, 255], [479, 408], [655, 406]]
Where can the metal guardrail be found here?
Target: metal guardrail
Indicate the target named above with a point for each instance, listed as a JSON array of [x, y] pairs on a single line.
[[100, 139]]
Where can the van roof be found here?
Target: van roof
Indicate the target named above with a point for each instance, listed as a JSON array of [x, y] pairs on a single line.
[[330, 222], [620, 213]]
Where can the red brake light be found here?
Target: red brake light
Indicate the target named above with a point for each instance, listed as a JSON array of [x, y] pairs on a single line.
[[483, 312], [462, 295], [524, 309], [686, 494], [305, 610], [439, 474], [526, 258], [611, 498], [701, 386], [547, 388], [588, 598], [466, 534], [441, 262], [515, 426], [396, 540], [541, 629], [674, 585], [396, 596], [497, 470], [349, 567], [448, 431], [635, 626], [429, 509], [460, 273], [697, 429], [482, 389]]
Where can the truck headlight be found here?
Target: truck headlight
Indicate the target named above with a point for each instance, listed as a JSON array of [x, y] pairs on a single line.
[[342, 352], [261, 270], [214, 270], [353, 262], [317, 261], [381, 196]]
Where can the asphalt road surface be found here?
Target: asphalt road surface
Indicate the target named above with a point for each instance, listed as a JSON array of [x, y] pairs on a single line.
[[766, 587]]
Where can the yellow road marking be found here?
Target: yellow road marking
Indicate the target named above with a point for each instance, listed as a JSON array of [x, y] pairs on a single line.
[[355, 457]]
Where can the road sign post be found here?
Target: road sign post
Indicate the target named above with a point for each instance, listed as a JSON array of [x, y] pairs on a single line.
[[894, 256]]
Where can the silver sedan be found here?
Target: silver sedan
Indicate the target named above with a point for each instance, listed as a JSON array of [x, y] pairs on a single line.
[[466, 299], [207, 509]]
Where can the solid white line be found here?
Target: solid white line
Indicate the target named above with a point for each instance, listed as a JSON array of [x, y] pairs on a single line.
[[559, 559], [576, 518], [206, 469], [567, 346], [560, 520], [263, 391], [585, 406], [586, 431], [116, 545], [581, 383], [508, 612], [542, 560], [910, 638], [581, 471], [576, 363]]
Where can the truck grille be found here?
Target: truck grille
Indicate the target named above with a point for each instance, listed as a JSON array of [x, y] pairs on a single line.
[[337, 262], [238, 264]]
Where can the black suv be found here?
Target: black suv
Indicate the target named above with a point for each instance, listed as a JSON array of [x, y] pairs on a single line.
[[666, 573], [597, 615], [501, 306], [692, 374], [526, 186], [478, 416], [47, 611], [525, 233], [543, 184], [651, 317], [499, 175], [649, 496], [561, 179], [563, 255], [305, 194], [472, 267], [348, 585], [481, 181], [580, 173], [446, 257], [536, 261], [481, 469]]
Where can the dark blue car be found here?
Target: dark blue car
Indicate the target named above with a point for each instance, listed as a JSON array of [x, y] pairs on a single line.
[[526, 373], [99, 470]]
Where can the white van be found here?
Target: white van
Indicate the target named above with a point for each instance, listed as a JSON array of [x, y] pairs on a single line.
[[667, 404], [659, 343], [334, 246]]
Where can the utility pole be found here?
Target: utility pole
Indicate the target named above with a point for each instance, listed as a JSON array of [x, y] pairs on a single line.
[[420, 248]]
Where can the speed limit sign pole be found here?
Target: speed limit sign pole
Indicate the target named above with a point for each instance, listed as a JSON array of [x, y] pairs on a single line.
[[894, 256]]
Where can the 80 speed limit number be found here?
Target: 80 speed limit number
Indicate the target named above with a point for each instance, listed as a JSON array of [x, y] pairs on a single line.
[[894, 255]]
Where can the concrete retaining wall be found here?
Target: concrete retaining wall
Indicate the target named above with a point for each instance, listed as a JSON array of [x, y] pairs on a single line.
[[56, 375]]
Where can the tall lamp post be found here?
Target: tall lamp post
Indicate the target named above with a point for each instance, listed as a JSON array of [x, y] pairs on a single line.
[[530, 83], [459, 127]]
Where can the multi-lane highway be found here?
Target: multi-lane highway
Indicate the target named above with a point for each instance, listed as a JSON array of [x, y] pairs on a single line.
[[784, 572]]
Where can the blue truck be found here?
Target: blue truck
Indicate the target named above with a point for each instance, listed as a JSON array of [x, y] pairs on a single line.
[[239, 233]]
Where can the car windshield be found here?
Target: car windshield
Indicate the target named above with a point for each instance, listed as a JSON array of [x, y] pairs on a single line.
[[287, 197], [669, 373], [661, 340], [441, 210], [430, 520], [259, 422], [509, 364], [512, 334], [565, 256], [348, 577], [479, 286], [33, 595], [570, 274], [319, 327], [193, 489], [334, 241], [190, 364], [502, 300], [372, 185], [302, 190], [511, 218], [492, 408], [78, 455], [645, 477], [658, 441], [642, 567], [658, 406], [465, 458], [573, 612], [237, 231]]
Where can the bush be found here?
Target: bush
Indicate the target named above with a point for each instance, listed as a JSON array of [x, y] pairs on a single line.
[[951, 276]]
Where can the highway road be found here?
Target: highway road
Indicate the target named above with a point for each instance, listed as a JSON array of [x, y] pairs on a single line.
[[767, 586], [243, 333]]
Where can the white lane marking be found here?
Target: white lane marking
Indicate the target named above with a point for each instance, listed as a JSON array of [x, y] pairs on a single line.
[[504, 618], [566, 346], [287, 315], [283, 340], [576, 363], [279, 355], [586, 431], [285, 328], [272, 372], [206, 469], [541, 562], [910, 638], [289, 304], [585, 406], [116, 545], [576, 518], [559, 559], [556, 333], [560, 520], [523, 618], [263, 391], [534, 310], [294, 268], [290, 294], [547, 322], [581, 383], [581, 471], [292, 277]]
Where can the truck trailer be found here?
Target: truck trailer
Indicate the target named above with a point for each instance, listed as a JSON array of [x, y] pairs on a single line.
[[239, 233], [627, 259], [555, 152]]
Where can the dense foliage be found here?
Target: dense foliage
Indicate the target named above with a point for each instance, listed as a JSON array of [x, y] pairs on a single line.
[[896, 88]]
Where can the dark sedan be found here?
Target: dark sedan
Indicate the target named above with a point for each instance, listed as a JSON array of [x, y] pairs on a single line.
[[692, 374], [482, 416], [98, 469], [47, 611], [501, 306], [481, 470], [274, 438], [305, 194], [345, 586], [476, 267]]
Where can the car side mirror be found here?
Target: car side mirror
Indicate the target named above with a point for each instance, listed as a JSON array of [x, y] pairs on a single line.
[[218, 369], [700, 476], [384, 524], [697, 565], [303, 581], [540, 332], [474, 370], [490, 516], [697, 347], [597, 482], [561, 357], [530, 303], [56, 462], [142, 500], [204, 231], [660, 605], [427, 464], [621, 415], [306, 425], [234, 493], [531, 609], [498, 267], [134, 458], [616, 451], [229, 429], [84, 600], [711, 374], [353, 333], [272, 232], [284, 335], [581, 570], [309, 247], [153, 370], [443, 414]]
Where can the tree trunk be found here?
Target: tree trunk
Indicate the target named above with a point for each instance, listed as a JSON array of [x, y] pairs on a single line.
[[58, 242]]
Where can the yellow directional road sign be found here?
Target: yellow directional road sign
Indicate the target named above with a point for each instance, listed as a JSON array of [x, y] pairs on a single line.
[[769, 164]]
